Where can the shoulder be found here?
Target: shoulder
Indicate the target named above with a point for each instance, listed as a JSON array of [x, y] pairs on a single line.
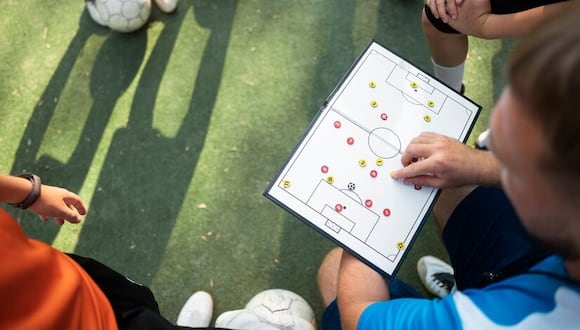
[[539, 299], [531, 300]]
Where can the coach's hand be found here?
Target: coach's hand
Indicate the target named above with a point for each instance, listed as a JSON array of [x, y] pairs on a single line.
[[439, 161]]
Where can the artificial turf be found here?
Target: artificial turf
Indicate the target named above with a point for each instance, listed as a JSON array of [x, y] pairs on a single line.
[[171, 133]]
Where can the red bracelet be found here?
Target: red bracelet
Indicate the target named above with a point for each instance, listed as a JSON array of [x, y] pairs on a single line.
[[34, 192]]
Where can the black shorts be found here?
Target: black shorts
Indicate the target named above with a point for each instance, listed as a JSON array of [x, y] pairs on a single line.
[[485, 242], [134, 304], [497, 7]]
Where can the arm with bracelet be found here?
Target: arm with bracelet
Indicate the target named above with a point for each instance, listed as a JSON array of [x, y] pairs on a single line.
[[27, 192]]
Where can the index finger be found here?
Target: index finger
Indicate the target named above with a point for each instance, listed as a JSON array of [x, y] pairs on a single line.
[[420, 168], [415, 151]]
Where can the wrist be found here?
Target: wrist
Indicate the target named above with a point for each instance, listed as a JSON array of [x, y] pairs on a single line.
[[489, 170], [34, 193]]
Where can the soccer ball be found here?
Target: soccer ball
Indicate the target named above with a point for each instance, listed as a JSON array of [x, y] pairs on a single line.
[[283, 308], [120, 15]]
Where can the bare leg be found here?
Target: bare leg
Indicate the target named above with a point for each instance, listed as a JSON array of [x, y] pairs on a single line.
[[447, 202], [447, 49], [328, 276]]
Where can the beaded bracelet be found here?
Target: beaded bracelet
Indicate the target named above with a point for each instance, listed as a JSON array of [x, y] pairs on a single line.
[[34, 192]]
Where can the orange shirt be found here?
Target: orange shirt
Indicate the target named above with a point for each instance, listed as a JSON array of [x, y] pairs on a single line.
[[42, 288]]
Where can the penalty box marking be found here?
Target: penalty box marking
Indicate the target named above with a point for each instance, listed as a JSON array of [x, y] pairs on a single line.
[[355, 218]]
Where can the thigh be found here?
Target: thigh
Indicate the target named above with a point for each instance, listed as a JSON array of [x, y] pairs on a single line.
[[486, 241]]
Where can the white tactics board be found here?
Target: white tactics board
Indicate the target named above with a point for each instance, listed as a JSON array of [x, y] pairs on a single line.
[[338, 180]]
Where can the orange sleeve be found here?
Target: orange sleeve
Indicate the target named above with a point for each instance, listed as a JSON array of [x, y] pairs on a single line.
[[42, 288]]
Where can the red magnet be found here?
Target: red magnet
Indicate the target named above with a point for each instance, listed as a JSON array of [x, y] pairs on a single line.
[[386, 212], [418, 187], [350, 141], [374, 173], [337, 124], [384, 116], [368, 203], [324, 169], [338, 207]]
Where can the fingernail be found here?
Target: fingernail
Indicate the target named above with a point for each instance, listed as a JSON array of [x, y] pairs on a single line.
[[393, 174]]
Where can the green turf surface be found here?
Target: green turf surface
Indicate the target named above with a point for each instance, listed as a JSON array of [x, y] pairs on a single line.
[[172, 133]]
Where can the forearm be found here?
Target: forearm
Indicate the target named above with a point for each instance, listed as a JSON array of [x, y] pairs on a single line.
[[13, 189], [54, 202], [485, 168], [358, 287], [517, 25]]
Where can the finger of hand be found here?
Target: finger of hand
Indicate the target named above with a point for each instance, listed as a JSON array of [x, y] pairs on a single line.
[[413, 170], [74, 215], [432, 4], [408, 158], [77, 203], [59, 221], [415, 152], [452, 9], [442, 10]]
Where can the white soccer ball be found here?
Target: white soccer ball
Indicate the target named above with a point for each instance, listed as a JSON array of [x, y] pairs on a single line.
[[283, 308], [121, 15]]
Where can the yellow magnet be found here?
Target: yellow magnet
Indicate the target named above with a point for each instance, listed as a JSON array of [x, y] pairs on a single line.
[[427, 118], [430, 104], [330, 179], [414, 85], [362, 163], [286, 184], [400, 245], [379, 162], [372, 84], [374, 104]]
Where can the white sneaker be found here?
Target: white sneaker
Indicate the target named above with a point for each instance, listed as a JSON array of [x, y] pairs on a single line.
[[482, 140], [167, 6], [197, 311], [436, 276]]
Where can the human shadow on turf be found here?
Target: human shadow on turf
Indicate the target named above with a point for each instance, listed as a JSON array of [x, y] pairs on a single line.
[[146, 175], [112, 70], [301, 247]]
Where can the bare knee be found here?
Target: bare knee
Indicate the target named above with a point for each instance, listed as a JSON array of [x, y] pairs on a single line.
[[447, 49], [328, 275], [430, 31], [428, 27]]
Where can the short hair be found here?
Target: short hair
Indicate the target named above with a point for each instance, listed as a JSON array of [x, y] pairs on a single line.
[[544, 74]]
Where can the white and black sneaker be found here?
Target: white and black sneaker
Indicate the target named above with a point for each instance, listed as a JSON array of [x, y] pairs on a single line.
[[482, 141], [436, 276]]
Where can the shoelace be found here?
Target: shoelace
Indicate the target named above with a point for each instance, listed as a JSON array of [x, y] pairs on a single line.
[[444, 280]]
